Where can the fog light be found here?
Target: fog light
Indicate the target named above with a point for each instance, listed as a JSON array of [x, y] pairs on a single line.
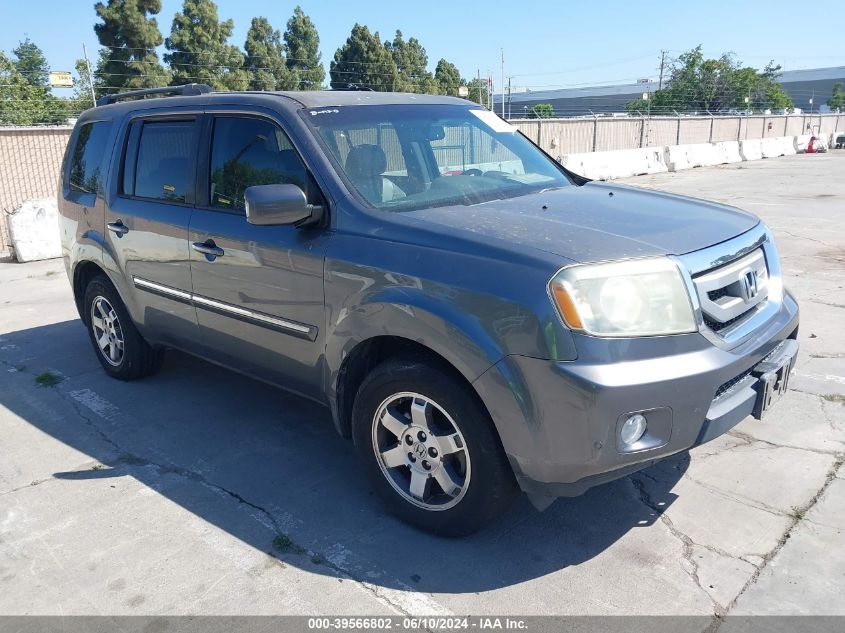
[[633, 429]]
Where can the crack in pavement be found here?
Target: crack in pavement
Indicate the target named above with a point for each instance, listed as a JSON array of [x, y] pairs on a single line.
[[686, 541], [797, 517]]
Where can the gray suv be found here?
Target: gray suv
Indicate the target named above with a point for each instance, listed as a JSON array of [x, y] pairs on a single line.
[[477, 319]]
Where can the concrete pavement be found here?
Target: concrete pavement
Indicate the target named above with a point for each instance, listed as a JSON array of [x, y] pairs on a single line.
[[199, 491]]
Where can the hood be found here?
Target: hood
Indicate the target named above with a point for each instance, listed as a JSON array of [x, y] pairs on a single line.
[[598, 222]]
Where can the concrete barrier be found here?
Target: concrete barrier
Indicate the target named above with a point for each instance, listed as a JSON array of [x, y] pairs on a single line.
[[694, 155], [777, 146], [800, 142], [34, 230], [652, 160], [617, 164], [750, 149], [729, 151]]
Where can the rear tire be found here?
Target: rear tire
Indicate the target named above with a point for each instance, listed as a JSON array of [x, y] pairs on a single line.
[[429, 448], [119, 347]]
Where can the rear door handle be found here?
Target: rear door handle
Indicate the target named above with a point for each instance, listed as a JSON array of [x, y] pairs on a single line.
[[118, 228], [208, 248]]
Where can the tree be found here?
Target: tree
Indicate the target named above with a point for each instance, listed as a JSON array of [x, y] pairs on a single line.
[[479, 91], [31, 63], [303, 46], [837, 99], [129, 35], [199, 49], [81, 99], [714, 85], [265, 58], [411, 62], [541, 111], [22, 103], [448, 78], [363, 61]]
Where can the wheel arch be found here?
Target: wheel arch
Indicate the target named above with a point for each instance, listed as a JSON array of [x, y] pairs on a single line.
[[366, 355], [83, 273]]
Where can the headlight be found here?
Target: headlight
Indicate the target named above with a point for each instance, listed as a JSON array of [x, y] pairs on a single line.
[[644, 297]]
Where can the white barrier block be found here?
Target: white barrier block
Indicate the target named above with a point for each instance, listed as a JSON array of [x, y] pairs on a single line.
[[750, 149], [800, 142], [693, 155], [616, 164], [777, 146], [729, 151], [34, 229]]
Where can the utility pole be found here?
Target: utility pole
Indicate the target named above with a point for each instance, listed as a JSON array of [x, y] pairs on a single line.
[[662, 64], [503, 83], [479, 87], [90, 76], [509, 97]]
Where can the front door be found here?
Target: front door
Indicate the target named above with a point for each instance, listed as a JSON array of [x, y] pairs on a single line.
[[258, 290], [147, 227]]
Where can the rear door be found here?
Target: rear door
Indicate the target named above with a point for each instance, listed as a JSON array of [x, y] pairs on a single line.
[[259, 294], [147, 225]]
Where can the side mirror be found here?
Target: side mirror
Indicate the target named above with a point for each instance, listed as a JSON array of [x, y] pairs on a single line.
[[268, 205]]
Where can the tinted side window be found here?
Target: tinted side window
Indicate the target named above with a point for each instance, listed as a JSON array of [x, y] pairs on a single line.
[[163, 164], [247, 152], [88, 158]]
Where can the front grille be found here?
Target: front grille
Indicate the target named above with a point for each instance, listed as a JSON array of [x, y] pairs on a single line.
[[717, 326], [715, 295], [723, 389], [725, 293]]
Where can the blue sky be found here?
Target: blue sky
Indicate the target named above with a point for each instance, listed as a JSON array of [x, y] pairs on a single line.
[[546, 44]]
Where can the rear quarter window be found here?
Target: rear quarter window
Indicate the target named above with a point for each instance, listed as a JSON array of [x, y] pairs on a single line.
[[88, 158]]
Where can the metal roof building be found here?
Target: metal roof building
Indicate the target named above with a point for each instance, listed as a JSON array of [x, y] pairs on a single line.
[[801, 85]]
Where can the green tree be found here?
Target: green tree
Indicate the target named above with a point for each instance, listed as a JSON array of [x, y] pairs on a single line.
[[81, 99], [265, 58], [541, 111], [479, 91], [363, 61], [699, 84], [303, 46], [129, 34], [31, 63], [411, 62], [448, 78], [22, 103], [199, 49], [837, 99]]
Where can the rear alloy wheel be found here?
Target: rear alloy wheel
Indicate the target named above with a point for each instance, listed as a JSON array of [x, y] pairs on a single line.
[[107, 331], [120, 348], [429, 447]]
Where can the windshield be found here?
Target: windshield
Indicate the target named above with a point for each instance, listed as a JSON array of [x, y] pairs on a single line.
[[405, 157]]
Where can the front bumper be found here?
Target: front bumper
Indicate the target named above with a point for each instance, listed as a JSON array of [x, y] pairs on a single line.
[[558, 421]]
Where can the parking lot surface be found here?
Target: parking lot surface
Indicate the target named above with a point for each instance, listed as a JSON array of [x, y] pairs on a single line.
[[200, 491]]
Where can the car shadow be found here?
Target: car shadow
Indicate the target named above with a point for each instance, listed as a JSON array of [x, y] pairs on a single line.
[[277, 467]]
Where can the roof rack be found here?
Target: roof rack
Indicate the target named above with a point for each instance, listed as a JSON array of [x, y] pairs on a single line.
[[184, 91]]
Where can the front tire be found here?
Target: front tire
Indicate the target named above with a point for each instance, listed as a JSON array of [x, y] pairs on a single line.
[[429, 448], [119, 347]]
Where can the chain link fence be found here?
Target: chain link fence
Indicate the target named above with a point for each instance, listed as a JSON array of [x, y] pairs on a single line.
[[31, 157]]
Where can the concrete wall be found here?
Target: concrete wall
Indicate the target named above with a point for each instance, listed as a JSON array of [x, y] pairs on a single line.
[[30, 161], [560, 137]]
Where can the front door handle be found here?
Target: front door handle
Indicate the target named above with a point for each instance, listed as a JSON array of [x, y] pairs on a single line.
[[208, 248], [119, 228]]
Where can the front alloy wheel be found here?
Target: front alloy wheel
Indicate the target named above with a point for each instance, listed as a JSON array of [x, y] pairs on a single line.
[[421, 451], [429, 447]]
